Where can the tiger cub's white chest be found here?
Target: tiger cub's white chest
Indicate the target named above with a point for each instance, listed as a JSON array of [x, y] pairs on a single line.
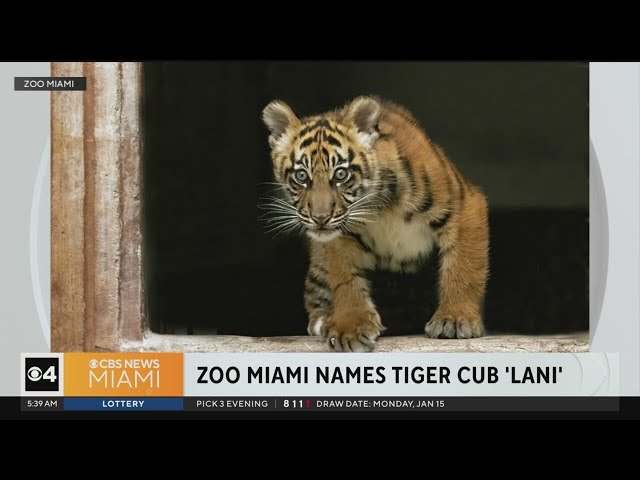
[[399, 245]]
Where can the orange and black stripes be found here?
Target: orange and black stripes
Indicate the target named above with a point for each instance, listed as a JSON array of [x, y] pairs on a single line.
[[317, 290], [372, 191]]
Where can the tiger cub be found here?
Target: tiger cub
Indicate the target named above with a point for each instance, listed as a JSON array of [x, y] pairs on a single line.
[[372, 192]]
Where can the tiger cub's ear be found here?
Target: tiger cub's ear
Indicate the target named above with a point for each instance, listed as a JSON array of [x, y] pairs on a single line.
[[364, 113], [278, 117]]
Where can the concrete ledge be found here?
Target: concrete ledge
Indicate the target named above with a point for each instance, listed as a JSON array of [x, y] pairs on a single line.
[[574, 343]]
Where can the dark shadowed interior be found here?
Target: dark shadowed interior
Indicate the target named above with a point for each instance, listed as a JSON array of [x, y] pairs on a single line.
[[518, 130]]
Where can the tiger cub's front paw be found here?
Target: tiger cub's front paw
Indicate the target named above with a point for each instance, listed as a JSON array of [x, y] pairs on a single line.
[[353, 330], [318, 322]]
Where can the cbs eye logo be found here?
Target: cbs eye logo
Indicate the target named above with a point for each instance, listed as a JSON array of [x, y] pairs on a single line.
[[41, 374]]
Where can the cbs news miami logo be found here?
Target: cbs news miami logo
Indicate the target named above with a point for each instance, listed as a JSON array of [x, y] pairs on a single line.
[[123, 374], [102, 374]]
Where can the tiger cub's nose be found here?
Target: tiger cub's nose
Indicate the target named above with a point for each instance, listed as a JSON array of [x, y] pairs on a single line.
[[321, 219]]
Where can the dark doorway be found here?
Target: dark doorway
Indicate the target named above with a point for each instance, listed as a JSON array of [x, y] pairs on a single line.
[[518, 130]]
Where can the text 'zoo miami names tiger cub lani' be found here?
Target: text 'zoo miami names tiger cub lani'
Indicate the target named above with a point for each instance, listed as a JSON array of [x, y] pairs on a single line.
[[371, 191]]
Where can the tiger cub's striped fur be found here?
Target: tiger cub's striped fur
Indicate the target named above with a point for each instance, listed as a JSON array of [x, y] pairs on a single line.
[[372, 192]]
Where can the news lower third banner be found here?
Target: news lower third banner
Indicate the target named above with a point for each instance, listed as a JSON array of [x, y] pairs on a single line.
[[319, 381]]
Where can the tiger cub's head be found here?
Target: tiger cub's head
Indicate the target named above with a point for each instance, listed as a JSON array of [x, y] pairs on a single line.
[[326, 167]]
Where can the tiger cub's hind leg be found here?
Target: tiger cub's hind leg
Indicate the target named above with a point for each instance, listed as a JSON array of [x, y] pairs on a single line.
[[464, 264]]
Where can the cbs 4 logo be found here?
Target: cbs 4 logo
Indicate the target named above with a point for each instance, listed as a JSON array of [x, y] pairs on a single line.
[[41, 374]]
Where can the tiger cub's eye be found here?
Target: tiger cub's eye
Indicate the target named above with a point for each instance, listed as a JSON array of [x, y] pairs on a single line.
[[341, 174], [301, 176]]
